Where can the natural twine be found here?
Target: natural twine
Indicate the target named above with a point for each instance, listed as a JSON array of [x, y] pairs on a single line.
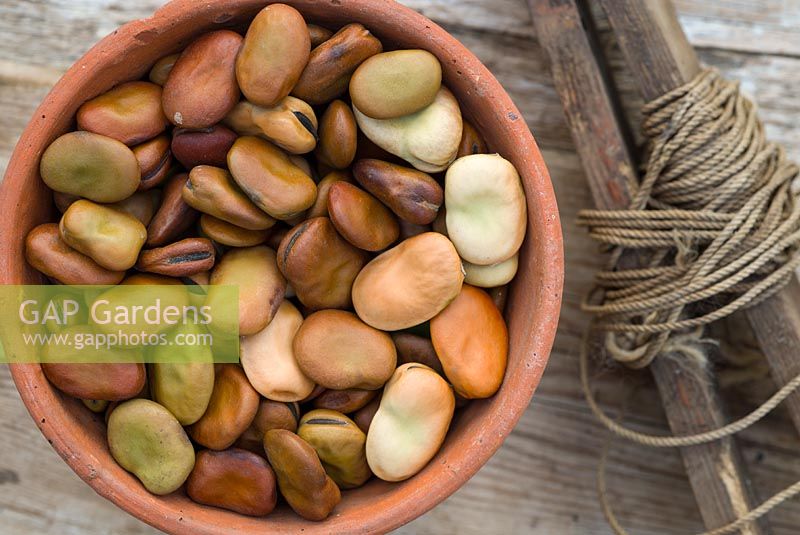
[[716, 226]]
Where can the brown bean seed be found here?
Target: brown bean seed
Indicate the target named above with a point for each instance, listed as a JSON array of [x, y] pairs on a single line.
[[270, 179], [360, 218], [261, 286], [413, 348], [337, 350], [408, 284], [319, 264], [63, 200], [499, 296], [318, 35], [231, 410], [234, 479], [270, 415], [213, 191], [178, 259], [275, 51], [227, 234], [409, 230], [363, 417], [202, 89], [291, 124], [142, 205], [332, 63], [310, 492], [471, 340], [107, 381], [49, 254], [344, 401], [174, 216], [277, 415], [207, 146], [155, 161], [338, 135], [471, 142], [317, 392], [320, 206], [277, 233], [160, 71], [130, 113], [411, 194]]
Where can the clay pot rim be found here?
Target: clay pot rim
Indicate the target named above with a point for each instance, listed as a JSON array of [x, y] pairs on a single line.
[[69, 439]]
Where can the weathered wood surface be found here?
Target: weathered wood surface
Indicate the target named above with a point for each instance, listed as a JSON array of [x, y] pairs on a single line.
[[542, 480], [689, 395]]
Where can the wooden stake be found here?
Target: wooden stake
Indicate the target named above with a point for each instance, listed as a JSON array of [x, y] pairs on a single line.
[[691, 401], [662, 59]]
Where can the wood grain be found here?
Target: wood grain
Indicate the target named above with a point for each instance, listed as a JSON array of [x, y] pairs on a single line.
[[688, 391], [542, 480]]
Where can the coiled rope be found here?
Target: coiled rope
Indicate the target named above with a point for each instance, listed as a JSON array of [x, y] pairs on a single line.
[[716, 225]]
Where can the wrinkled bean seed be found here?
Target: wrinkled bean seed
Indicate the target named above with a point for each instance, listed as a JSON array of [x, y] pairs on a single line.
[[339, 443], [49, 254], [413, 195], [319, 264], [360, 218], [332, 63], [230, 412], [408, 284], [212, 190], [179, 259], [291, 124], [201, 88], [275, 52], [91, 166], [270, 362], [397, 83], [110, 237], [270, 179], [234, 479], [130, 113], [471, 341], [310, 492], [174, 216], [261, 286], [337, 350], [227, 234], [207, 146], [145, 439]]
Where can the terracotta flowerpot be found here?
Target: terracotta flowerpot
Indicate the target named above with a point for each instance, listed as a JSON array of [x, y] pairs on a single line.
[[532, 311]]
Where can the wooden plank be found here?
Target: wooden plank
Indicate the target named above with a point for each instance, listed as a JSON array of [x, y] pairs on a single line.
[[716, 471], [758, 27], [776, 323]]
